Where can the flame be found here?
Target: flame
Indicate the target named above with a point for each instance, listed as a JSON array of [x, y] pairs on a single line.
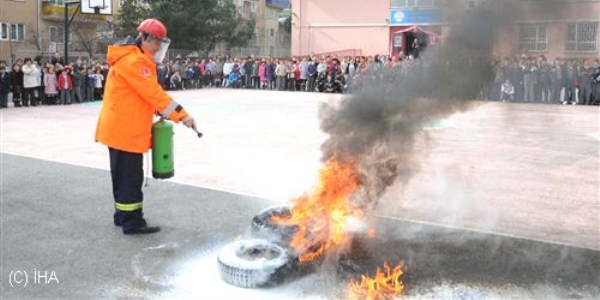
[[384, 285], [321, 215]]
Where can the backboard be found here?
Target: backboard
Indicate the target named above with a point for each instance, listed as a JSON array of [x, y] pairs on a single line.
[[102, 7]]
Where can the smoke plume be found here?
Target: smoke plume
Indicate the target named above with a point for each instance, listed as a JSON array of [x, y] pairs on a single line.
[[379, 123]]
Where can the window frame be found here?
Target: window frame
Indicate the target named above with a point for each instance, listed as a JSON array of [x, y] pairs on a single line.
[[7, 27], [17, 37], [536, 40], [576, 42]]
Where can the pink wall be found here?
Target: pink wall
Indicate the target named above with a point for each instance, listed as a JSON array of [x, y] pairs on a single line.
[[330, 25]]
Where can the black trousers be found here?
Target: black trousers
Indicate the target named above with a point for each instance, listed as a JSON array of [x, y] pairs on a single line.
[[3, 99], [29, 97], [127, 173]]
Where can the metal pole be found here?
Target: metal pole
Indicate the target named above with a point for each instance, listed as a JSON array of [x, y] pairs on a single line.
[[66, 33]]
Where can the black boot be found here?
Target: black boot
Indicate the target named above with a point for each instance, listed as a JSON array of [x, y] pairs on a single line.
[[17, 103], [133, 223]]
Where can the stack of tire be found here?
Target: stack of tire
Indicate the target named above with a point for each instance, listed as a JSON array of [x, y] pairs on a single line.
[[263, 260]]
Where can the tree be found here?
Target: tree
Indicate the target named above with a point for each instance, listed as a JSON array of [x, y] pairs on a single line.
[[202, 24], [130, 15]]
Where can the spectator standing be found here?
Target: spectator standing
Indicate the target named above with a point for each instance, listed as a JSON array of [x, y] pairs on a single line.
[[352, 73], [281, 73], [78, 82], [311, 74], [255, 74], [65, 84], [545, 81], [596, 82], [162, 72], [304, 74], [530, 81], [5, 84], [227, 68], [518, 79], [31, 75], [574, 82], [271, 74], [198, 74], [585, 83], [248, 68], [555, 82], [99, 88], [184, 76], [50, 85], [262, 74], [57, 59], [90, 84], [211, 70], [218, 74], [16, 81]]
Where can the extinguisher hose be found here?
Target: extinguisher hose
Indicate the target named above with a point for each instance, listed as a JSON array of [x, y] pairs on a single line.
[[147, 169]]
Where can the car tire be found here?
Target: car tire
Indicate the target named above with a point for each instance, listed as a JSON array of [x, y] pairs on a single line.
[[254, 263], [264, 227]]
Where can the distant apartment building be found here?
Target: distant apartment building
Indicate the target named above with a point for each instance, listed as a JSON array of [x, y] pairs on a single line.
[[270, 37], [30, 28]]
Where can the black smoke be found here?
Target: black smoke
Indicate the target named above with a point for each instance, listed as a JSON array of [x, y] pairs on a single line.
[[379, 123]]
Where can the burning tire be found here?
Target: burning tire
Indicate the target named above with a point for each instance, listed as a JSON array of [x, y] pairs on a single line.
[[264, 227], [254, 263]]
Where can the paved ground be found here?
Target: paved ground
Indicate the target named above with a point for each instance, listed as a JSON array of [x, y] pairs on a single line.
[[517, 174]]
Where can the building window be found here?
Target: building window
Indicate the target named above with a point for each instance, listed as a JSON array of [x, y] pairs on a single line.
[[247, 8], [272, 32], [57, 35], [4, 31], [17, 32], [532, 37], [57, 2], [582, 37]]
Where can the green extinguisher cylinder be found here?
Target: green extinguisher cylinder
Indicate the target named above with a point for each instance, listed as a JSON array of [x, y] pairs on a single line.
[[163, 166]]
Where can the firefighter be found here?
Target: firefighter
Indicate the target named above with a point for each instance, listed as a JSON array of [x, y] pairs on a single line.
[[132, 97]]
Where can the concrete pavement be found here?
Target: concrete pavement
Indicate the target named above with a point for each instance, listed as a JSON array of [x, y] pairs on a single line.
[[506, 204]]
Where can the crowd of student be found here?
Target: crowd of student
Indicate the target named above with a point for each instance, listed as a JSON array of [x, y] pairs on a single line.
[[33, 82], [513, 79]]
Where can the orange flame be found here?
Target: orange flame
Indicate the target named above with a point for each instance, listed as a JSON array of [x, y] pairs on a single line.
[[321, 215], [384, 285]]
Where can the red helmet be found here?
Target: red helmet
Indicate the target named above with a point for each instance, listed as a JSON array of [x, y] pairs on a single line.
[[153, 27]]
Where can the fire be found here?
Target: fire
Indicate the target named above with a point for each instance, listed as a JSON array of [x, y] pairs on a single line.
[[385, 284], [321, 215]]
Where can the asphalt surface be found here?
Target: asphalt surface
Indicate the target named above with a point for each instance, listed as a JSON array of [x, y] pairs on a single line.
[[58, 218]]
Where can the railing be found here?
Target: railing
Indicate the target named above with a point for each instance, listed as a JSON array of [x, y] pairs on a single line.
[[341, 53]]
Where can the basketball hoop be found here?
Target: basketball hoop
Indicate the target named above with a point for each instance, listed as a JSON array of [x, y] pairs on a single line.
[[96, 7]]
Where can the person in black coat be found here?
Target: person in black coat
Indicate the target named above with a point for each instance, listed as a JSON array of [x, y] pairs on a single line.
[[4, 85], [16, 82]]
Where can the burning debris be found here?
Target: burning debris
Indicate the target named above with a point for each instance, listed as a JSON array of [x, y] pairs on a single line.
[[385, 284], [321, 216]]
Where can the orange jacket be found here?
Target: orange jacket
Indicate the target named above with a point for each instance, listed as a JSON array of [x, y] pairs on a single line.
[[131, 97]]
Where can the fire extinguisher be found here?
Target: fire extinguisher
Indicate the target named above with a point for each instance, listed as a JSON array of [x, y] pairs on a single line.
[[163, 166]]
